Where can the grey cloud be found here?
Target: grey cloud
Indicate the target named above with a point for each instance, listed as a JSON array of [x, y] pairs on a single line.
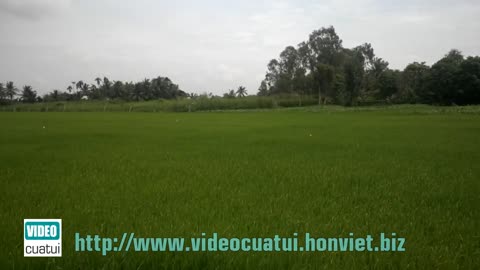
[[209, 46], [33, 9]]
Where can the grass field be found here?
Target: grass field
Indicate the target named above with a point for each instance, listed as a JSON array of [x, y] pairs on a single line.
[[245, 174]]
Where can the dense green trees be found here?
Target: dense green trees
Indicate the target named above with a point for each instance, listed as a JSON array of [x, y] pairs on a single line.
[[102, 89], [7, 92], [322, 67], [319, 68], [453, 80], [229, 94], [28, 94], [413, 81], [468, 81], [3, 92], [11, 90], [156, 88]]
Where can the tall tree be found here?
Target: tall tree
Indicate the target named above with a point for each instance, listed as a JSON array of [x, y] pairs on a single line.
[[137, 93], [85, 89], [289, 62], [273, 75], [11, 90], [98, 80], [106, 88], [3, 92], [413, 82], [441, 83], [79, 85], [117, 89], [263, 89], [55, 94], [28, 94], [325, 47], [241, 91], [353, 70], [388, 85], [324, 76], [468, 82]]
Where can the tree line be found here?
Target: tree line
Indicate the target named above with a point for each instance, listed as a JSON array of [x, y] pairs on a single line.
[[319, 67], [322, 67], [101, 89], [104, 89]]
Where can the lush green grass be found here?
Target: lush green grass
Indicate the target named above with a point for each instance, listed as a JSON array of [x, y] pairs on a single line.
[[246, 174]]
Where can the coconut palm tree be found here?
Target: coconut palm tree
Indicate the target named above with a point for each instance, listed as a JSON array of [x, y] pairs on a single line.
[[85, 89], [79, 85], [107, 82], [242, 91], [11, 90], [98, 80], [55, 94], [137, 92], [106, 88], [2, 91], [70, 88]]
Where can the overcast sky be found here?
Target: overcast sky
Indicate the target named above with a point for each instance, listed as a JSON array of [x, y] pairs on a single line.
[[213, 45]]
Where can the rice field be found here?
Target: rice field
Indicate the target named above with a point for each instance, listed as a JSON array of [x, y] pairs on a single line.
[[327, 171]]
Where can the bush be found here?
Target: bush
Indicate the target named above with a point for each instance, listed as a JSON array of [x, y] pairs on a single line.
[[178, 105]]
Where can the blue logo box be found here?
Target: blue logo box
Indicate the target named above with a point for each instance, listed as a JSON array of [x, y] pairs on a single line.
[[45, 230]]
